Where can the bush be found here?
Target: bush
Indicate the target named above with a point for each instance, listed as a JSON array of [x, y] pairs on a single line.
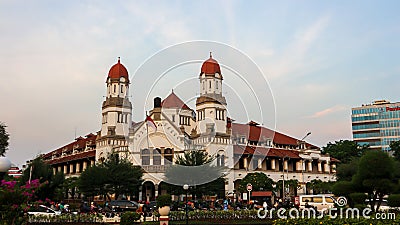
[[128, 218], [358, 198], [394, 200], [164, 200]]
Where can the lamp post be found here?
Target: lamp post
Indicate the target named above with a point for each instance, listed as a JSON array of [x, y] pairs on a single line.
[[5, 165], [186, 188]]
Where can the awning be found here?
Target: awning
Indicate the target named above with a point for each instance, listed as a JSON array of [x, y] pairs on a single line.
[[261, 193]]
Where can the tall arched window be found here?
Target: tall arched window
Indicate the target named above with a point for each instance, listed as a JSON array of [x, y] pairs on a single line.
[[156, 156], [145, 153], [221, 158]]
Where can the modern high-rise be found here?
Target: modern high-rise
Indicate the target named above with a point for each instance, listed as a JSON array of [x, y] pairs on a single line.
[[376, 124]]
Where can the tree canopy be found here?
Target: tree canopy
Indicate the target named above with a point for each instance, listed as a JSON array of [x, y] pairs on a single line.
[[259, 181], [195, 168], [395, 148], [4, 137], [38, 169], [114, 176], [344, 150], [375, 175]]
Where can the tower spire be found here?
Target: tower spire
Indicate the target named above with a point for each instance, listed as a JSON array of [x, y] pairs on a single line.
[[210, 54], [119, 59]]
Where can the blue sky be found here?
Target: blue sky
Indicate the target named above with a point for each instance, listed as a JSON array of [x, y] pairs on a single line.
[[320, 57]]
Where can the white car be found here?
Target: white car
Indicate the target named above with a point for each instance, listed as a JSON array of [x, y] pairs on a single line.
[[319, 201], [42, 210]]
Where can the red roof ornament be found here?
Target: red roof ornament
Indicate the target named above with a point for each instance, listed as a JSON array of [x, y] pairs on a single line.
[[210, 66], [118, 70]]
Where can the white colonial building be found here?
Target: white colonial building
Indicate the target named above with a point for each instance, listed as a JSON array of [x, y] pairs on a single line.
[[241, 148]]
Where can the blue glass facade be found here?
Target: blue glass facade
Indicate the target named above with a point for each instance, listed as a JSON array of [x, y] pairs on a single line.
[[376, 125]]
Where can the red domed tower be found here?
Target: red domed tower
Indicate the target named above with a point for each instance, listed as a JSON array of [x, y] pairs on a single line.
[[116, 111], [211, 105]]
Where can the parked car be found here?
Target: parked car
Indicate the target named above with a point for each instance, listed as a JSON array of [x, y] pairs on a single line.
[[320, 202], [123, 205], [42, 210]]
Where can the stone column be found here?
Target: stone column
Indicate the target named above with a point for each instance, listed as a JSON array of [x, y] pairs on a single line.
[[310, 166], [84, 165], [273, 166], [333, 168], [285, 164], [140, 193], [78, 167], [54, 170], [259, 163], [71, 168], [245, 163], [156, 191], [299, 166], [327, 168], [319, 167], [65, 169]]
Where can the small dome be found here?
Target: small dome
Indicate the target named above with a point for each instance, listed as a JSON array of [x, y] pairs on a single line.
[[118, 70], [210, 66]]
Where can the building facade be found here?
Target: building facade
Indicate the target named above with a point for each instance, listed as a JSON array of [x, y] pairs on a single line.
[[240, 148], [376, 124]]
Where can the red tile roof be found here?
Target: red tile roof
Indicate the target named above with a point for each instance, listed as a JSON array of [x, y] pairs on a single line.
[[73, 157], [79, 143], [173, 101], [253, 132], [262, 151]]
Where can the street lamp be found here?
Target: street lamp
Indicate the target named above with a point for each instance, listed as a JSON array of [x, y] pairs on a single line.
[[186, 188], [5, 165]]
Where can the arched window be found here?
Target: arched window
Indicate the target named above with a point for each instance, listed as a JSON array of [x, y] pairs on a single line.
[[221, 158], [145, 156], [156, 157]]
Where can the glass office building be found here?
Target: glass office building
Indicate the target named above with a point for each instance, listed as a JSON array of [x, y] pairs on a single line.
[[376, 124]]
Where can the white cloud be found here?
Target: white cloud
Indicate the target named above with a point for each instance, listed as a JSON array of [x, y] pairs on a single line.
[[297, 57], [325, 112]]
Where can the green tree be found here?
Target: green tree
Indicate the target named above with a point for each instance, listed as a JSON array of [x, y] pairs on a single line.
[[115, 176], [395, 148], [343, 188], [93, 180], [375, 176], [70, 187], [259, 181], [195, 168], [318, 186], [123, 177], [38, 169], [344, 150], [194, 158], [4, 137], [345, 171]]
